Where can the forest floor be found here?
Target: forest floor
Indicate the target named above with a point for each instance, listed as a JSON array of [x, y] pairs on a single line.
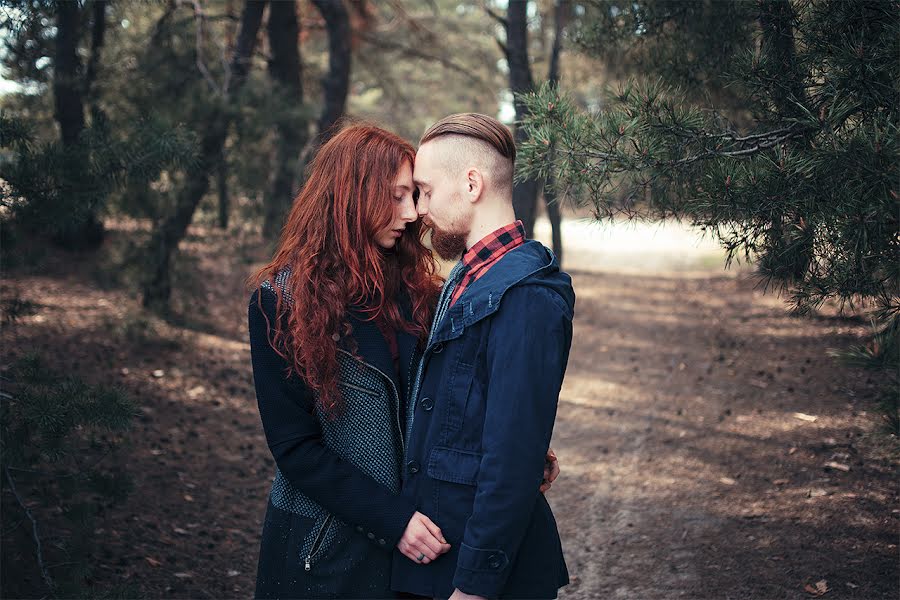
[[695, 431]]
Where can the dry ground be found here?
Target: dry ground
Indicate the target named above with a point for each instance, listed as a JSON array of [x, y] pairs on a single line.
[[692, 466]]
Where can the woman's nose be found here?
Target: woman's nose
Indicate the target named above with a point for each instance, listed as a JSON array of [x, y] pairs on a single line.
[[408, 212]]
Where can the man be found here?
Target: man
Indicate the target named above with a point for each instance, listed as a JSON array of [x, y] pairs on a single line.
[[483, 403]]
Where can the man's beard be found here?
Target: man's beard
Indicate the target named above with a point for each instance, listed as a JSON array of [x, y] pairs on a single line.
[[448, 246]]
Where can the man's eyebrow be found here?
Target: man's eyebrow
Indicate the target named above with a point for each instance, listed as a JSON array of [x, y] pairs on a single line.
[[420, 183]]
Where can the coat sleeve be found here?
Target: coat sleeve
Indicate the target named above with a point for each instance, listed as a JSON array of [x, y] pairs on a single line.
[[527, 352], [294, 437]]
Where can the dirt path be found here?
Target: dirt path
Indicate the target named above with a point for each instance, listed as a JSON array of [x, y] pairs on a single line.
[[685, 472]]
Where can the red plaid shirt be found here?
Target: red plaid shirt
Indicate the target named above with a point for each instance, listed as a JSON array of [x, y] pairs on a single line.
[[480, 257]]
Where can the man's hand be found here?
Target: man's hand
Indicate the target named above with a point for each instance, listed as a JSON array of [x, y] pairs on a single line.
[[551, 470], [458, 595], [422, 538]]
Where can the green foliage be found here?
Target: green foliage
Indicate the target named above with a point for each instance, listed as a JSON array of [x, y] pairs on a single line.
[[810, 194], [807, 189], [692, 44], [52, 188], [55, 434]]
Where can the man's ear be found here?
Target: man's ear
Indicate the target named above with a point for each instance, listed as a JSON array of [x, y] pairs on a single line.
[[474, 184]]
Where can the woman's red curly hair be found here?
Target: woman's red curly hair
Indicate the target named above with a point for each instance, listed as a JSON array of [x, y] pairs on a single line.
[[328, 243]]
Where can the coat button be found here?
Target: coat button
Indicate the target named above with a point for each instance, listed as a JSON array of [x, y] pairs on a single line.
[[413, 467], [370, 535], [359, 528], [494, 561], [381, 541], [426, 403], [438, 348]]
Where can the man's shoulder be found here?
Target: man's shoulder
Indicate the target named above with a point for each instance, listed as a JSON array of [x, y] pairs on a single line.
[[535, 297]]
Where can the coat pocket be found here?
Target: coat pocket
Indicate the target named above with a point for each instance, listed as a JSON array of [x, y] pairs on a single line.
[[454, 465]]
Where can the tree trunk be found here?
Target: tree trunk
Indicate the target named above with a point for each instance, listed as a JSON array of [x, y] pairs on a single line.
[[222, 187], [520, 82], [336, 82], [550, 199], [285, 70], [792, 236], [165, 239], [67, 92], [85, 230]]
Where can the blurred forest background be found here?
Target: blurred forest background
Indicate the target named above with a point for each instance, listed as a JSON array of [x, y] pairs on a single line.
[[722, 433]]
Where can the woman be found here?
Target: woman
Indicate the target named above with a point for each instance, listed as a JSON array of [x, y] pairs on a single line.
[[336, 322], [334, 325]]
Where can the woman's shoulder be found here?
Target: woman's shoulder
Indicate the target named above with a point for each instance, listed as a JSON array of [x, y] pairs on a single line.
[[267, 291]]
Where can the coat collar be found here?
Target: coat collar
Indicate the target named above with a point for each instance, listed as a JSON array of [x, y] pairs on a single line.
[[482, 297]]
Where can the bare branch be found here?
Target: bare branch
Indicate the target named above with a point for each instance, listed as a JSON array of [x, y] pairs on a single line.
[[495, 15], [34, 529], [200, 17]]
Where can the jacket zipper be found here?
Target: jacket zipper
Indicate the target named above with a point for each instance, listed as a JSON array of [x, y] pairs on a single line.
[[393, 388], [318, 541]]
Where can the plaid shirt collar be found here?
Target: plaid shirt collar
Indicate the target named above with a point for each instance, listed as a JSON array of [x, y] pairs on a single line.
[[479, 258]]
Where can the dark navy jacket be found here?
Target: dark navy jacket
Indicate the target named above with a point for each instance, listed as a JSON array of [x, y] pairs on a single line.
[[337, 477], [480, 420]]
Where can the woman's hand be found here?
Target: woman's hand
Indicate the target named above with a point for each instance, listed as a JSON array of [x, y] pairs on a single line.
[[551, 470], [422, 538]]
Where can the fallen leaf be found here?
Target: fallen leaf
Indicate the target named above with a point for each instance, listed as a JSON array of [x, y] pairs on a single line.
[[232, 573], [727, 480], [188, 498], [816, 493], [158, 373], [152, 561], [781, 481], [792, 450], [805, 417], [839, 466], [183, 575], [179, 530]]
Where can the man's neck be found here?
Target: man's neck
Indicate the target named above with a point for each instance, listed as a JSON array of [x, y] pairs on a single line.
[[490, 218]]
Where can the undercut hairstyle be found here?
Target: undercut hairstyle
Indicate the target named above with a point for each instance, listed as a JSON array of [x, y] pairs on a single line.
[[482, 138]]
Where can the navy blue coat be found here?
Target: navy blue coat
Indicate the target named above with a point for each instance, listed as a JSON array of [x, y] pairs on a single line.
[[479, 428]]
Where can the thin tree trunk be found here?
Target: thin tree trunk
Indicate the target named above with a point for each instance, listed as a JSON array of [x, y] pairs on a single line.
[[170, 232], [285, 70], [224, 199], [550, 198], [98, 31], [520, 82]]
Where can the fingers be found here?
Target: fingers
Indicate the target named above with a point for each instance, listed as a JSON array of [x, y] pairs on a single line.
[[544, 487], [551, 469], [433, 529]]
